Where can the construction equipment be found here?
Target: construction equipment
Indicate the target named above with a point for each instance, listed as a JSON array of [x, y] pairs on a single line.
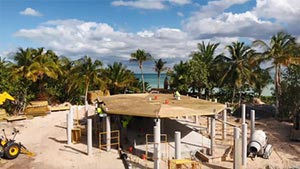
[[4, 96], [258, 145], [9, 149]]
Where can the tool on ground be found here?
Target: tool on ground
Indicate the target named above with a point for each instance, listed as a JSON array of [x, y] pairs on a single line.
[[9, 149]]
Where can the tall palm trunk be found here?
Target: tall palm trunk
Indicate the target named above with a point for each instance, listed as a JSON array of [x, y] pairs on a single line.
[[233, 94], [277, 86], [85, 98], [158, 77], [143, 80]]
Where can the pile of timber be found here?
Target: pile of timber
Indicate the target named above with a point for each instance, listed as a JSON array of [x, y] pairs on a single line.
[[61, 107], [93, 95], [3, 114], [37, 108]]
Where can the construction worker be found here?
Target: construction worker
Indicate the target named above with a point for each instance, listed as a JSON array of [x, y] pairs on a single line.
[[100, 108], [177, 95]]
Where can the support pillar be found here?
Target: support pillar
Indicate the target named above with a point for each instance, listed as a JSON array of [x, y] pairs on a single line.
[[108, 133], [244, 145], [157, 144], [208, 125], [237, 149], [224, 125], [252, 127], [177, 145], [197, 119], [69, 130], [212, 135], [243, 113], [72, 116], [89, 137]]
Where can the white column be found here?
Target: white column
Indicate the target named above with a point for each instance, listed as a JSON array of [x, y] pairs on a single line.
[[208, 125], [243, 113], [237, 153], [212, 135], [252, 117], [157, 144], [224, 125], [72, 117], [177, 145], [89, 136], [244, 145], [197, 119], [108, 133], [69, 130]]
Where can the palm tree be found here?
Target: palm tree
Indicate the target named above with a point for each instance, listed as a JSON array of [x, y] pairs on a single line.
[[204, 58], [159, 67], [118, 78], [84, 72], [237, 70], [141, 56], [279, 52]]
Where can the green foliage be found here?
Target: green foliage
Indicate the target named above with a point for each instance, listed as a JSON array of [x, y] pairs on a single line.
[[290, 98]]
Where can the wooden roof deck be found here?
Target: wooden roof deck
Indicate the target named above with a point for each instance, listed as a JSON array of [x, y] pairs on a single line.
[[140, 105]]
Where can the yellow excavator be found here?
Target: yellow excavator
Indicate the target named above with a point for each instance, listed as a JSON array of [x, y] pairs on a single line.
[[5, 96], [9, 149]]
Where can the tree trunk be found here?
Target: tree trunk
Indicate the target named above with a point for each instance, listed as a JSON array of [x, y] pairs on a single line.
[[143, 80], [158, 76], [85, 99], [233, 94], [276, 81]]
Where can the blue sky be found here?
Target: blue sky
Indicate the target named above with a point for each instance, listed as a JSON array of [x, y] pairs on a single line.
[[168, 29]]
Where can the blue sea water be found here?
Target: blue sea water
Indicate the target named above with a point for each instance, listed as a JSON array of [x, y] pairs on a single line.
[[151, 78]]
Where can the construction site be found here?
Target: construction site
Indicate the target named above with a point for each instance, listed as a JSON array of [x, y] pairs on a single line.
[[149, 131]]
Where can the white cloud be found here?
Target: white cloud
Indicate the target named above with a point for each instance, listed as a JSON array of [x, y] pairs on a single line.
[[150, 4], [180, 14], [180, 2], [77, 38], [143, 4], [30, 12]]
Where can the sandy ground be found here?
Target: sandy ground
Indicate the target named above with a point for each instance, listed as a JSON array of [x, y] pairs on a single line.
[[46, 136]]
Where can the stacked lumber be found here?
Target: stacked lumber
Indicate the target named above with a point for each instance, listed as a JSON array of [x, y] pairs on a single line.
[[3, 114], [37, 108], [61, 107], [93, 95]]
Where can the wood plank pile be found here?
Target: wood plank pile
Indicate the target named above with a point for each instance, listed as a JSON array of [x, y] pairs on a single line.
[[37, 108], [93, 95]]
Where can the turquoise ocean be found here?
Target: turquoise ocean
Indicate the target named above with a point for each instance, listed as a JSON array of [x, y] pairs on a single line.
[[151, 78]]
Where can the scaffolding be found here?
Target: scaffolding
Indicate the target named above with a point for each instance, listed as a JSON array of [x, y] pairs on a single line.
[[114, 137], [150, 141]]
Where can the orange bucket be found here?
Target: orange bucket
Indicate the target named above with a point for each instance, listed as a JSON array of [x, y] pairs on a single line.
[[155, 97], [166, 101]]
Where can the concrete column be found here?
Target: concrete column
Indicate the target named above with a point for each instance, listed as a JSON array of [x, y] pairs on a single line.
[[157, 144], [224, 125], [237, 149], [108, 133], [86, 109], [244, 145], [197, 119], [69, 130], [177, 145], [252, 127], [212, 135], [89, 136], [208, 125], [243, 113], [72, 116]]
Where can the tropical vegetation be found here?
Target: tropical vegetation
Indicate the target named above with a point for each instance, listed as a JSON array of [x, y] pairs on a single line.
[[236, 75]]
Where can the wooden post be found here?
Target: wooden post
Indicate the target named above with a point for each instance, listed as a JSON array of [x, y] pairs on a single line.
[[69, 130], [212, 135], [224, 124], [208, 124]]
